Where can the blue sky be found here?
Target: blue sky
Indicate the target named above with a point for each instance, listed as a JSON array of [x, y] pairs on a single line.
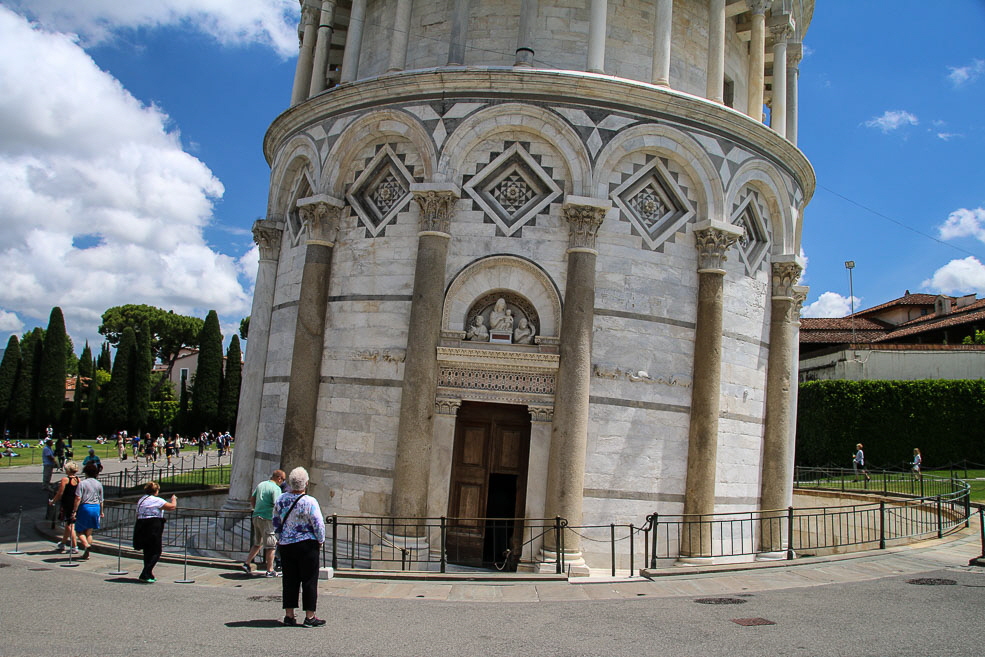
[[175, 96]]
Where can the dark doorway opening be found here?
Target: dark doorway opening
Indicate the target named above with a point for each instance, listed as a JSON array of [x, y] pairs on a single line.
[[500, 507]]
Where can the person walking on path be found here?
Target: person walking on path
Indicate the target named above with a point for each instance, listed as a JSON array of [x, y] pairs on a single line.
[[858, 463], [264, 496], [88, 507], [92, 458], [917, 462], [60, 452], [64, 499], [48, 464], [149, 530], [300, 531]]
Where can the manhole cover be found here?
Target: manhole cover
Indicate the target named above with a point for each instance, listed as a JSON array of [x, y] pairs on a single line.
[[748, 622], [931, 581], [720, 601], [264, 598]]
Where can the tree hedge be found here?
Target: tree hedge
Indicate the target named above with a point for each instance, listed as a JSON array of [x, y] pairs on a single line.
[[945, 419]]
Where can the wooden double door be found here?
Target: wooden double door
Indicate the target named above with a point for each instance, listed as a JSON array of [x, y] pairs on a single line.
[[487, 495]]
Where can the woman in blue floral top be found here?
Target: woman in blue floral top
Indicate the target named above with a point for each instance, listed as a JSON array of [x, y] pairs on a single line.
[[300, 530]]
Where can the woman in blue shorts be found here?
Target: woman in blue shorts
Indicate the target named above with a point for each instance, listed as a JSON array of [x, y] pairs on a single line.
[[88, 507]]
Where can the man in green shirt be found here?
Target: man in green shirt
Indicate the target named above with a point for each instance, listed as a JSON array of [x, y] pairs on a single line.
[[264, 496]]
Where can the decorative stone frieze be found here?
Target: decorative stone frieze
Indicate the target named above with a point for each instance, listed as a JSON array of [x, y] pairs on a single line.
[[541, 413], [712, 241], [437, 202], [447, 406], [321, 215], [267, 235], [584, 217]]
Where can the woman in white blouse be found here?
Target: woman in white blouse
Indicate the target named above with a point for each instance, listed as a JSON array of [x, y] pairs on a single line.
[[149, 530]]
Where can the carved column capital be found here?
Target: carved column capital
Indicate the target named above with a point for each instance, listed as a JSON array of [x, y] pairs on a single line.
[[712, 240], [267, 236], [321, 214], [447, 406], [758, 6], [795, 52], [584, 216], [541, 413], [310, 12], [785, 277], [437, 202], [799, 297]]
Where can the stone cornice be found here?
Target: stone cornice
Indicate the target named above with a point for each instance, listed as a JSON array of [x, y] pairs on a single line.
[[545, 86], [500, 361]]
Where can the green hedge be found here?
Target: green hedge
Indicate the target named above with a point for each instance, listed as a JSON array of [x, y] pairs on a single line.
[[945, 419]]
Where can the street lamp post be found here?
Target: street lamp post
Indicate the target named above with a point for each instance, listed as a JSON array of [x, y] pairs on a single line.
[[850, 265]]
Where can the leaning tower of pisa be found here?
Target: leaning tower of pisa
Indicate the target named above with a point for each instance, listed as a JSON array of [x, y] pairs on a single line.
[[532, 258]]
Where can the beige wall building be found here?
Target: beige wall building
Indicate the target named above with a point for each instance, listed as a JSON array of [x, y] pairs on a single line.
[[532, 259]]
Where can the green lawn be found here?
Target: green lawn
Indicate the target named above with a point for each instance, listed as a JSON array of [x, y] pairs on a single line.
[[80, 448]]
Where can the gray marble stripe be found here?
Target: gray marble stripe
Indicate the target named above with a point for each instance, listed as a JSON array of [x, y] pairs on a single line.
[[268, 457], [605, 312], [632, 403], [379, 473], [370, 297], [276, 379], [286, 304], [607, 494], [738, 417], [746, 338], [318, 254], [355, 381]]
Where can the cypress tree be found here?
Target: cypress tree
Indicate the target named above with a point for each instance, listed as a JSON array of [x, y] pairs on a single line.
[[52, 373], [8, 376], [86, 369], [71, 360], [116, 412], [208, 375], [104, 362], [139, 402], [21, 411], [229, 396], [77, 424], [92, 406]]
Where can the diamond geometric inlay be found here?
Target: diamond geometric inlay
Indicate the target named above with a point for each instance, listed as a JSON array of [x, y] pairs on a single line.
[[512, 189], [754, 244], [654, 202], [381, 191]]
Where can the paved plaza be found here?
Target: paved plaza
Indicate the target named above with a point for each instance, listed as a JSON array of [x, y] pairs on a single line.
[[862, 605]]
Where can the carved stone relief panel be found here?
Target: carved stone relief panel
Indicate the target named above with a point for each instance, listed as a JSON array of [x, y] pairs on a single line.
[[502, 312]]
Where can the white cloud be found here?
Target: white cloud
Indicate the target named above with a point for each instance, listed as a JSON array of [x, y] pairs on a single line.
[[947, 136], [10, 323], [961, 75], [830, 304], [964, 223], [892, 120], [958, 277], [80, 156], [269, 22]]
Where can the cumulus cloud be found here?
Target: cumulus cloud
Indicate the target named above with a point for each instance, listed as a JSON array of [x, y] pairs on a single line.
[[269, 22], [830, 304], [964, 223], [961, 75], [10, 323], [99, 204], [892, 120], [958, 277]]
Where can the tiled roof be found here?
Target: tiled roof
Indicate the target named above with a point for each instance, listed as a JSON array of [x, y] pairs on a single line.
[[935, 323], [905, 300]]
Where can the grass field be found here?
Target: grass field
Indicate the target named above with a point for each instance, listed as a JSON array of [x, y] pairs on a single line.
[[32, 455]]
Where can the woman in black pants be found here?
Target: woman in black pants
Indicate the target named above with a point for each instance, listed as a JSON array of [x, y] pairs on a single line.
[[148, 532], [300, 531]]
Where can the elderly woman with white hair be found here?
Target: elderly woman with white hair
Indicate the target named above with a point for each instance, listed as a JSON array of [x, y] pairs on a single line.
[[300, 530]]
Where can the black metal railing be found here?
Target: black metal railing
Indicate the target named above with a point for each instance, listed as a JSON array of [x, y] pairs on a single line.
[[192, 471]]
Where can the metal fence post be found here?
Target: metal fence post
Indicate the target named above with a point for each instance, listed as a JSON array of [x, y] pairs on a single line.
[[940, 519], [632, 564], [203, 476], [882, 525], [444, 536], [335, 542], [790, 552], [967, 508], [655, 525], [557, 545], [981, 526], [612, 544]]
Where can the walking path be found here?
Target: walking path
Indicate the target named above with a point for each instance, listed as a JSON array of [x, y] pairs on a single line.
[[952, 552]]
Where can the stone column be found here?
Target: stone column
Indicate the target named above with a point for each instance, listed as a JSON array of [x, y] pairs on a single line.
[[596, 36], [442, 451], [538, 461], [353, 42], [302, 73], [321, 216], [715, 88], [400, 35], [795, 50], [417, 397], [319, 69], [459, 33], [525, 33], [781, 27], [712, 240], [757, 60], [662, 32], [776, 487], [569, 429], [266, 234]]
